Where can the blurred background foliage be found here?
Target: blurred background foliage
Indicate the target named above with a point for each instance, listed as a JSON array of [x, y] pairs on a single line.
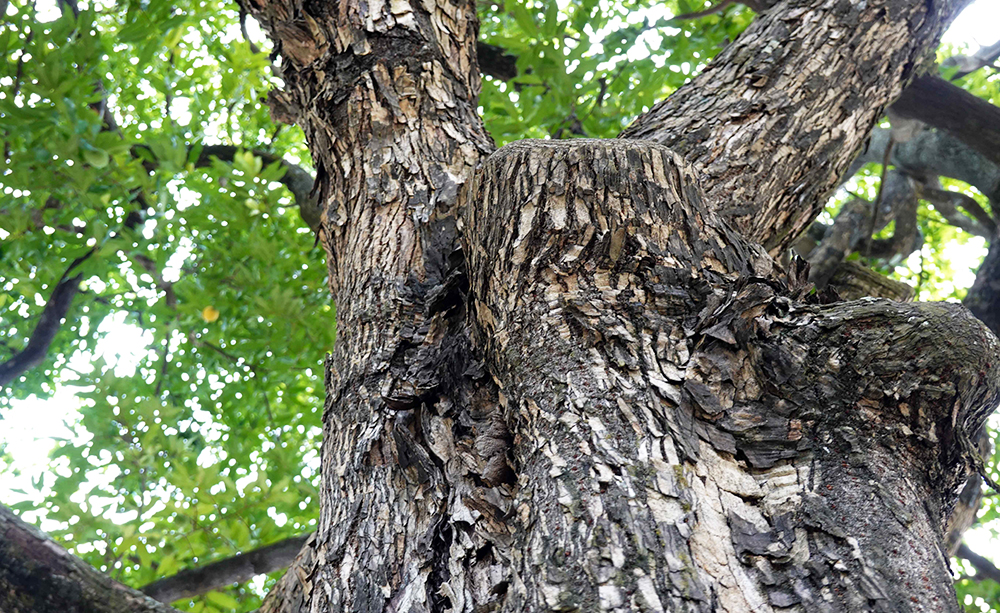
[[188, 372]]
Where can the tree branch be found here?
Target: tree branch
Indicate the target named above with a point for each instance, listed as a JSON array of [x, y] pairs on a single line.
[[298, 180], [237, 569], [36, 574], [48, 325], [496, 61], [948, 107], [931, 154], [982, 58], [984, 567], [976, 221]]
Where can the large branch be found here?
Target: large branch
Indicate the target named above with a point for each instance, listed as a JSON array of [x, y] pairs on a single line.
[[48, 325], [948, 107], [39, 576], [932, 154], [237, 569], [775, 119]]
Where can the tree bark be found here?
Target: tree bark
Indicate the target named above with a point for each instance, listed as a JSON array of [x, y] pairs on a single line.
[[686, 436], [39, 576], [775, 120], [569, 375], [647, 415]]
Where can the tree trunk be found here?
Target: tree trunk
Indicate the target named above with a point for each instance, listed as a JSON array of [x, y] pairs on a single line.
[[563, 381]]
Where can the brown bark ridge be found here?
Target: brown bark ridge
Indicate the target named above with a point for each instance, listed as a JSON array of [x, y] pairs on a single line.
[[776, 118], [37, 575]]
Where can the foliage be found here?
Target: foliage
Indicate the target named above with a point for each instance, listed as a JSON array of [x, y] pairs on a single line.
[[188, 450], [201, 439]]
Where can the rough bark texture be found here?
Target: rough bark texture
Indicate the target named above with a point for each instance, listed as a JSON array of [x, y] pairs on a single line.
[[688, 437], [386, 94], [777, 117], [648, 418], [39, 576]]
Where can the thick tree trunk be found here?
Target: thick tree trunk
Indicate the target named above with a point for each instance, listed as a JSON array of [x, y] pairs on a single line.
[[688, 436], [647, 416]]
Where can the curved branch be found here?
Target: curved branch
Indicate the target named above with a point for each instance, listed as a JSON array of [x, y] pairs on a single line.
[[237, 569], [975, 221], [932, 154], [948, 107], [983, 565], [48, 325]]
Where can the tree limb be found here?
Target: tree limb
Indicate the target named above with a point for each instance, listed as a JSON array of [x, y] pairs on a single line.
[[984, 567], [948, 107], [976, 221], [237, 569], [36, 574], [982, 58], [48, 325], [932, 154], [496, 61]]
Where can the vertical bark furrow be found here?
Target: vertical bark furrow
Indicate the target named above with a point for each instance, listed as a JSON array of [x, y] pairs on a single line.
[[687, 435], [775, 120]]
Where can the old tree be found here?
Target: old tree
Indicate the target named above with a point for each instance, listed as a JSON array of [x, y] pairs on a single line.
[[585, 374]]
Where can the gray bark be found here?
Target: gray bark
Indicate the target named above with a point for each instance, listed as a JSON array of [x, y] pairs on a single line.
[[775, 120]]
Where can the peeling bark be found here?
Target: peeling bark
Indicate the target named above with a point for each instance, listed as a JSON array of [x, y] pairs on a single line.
[[687, 436], [646, 415]]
